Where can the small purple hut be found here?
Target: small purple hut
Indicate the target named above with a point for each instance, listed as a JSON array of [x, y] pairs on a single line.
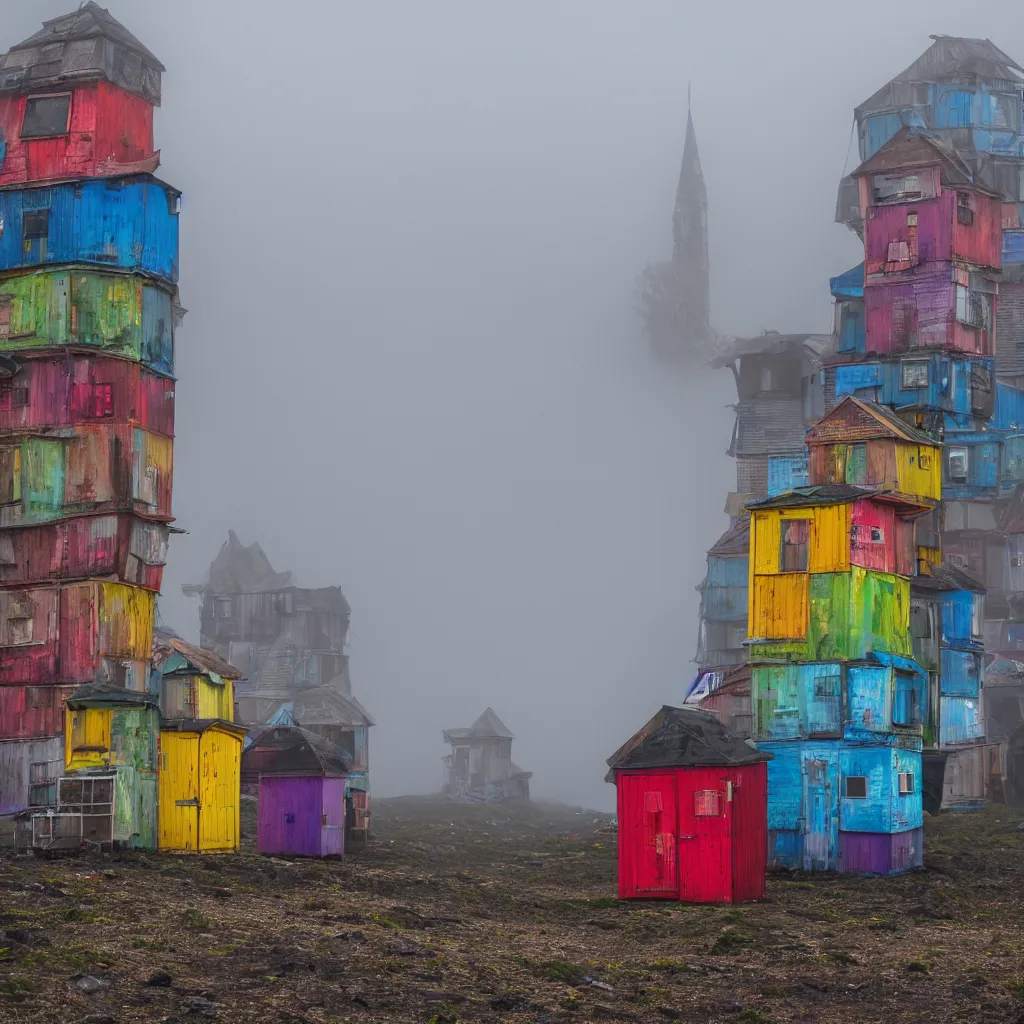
[[302, 808]]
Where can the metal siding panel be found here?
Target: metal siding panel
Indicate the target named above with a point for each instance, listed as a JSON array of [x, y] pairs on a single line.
[[178, 780]]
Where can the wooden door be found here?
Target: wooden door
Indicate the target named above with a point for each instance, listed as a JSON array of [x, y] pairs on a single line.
[[705, 836], [179, 791], [819, 819], [647, 835]]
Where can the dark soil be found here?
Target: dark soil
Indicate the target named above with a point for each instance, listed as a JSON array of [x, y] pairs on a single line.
[[500, 913]]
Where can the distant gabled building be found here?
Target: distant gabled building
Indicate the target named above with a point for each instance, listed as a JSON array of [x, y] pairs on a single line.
[[480, 766]]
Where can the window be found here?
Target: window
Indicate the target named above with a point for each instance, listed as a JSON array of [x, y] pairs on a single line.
[[920, 621], [705, 803], [222, 607], [826, 686], [46, 116], [36, 697], [19, 631], [973, 308], [906, 783], [977, 616], [856, 787], [956, 465], [94, 401], [890, 188], [964, 208], [914, 374], [924, 459], [35, 224], [766, 378], [898, 251], [793, 554], [12, 398]]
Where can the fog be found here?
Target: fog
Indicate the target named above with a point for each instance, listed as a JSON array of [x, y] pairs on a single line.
[[410, 366]]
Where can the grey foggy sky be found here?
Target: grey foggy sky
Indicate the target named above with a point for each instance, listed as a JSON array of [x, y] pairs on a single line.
[[410, 366]]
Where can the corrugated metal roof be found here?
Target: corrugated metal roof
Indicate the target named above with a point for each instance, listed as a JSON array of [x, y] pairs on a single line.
[[774, 343], [166, 644], [101, 694], [948, 56], [912, 147], [898, 662], [735, 541], [683, 737], [292, 751], [861, 419], [835, 494], [201, 725], [849, 284], [81, 46], [947, 577]]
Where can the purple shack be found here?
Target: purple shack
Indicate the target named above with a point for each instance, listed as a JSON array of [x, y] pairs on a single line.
[[301, 785]]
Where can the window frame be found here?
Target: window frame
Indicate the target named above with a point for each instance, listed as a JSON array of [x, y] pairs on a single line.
[[47, 96], [906, 784], [956, 452], [784, 547], [914, 364], [847, 779]]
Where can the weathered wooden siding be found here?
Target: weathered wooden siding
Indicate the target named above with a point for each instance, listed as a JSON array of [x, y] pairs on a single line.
[[921, 314], [99, 468], [203, 769], [930, 230], [884, 809], [290, 810], [828, 549], [74, 389], [111, 132], [28, 773], [71, 633], [135, 550], [960, 720], [118, 313], [196, 696], [131, 223], [28, 712]]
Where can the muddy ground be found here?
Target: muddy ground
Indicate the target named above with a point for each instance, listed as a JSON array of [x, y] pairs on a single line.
[[458, 914]]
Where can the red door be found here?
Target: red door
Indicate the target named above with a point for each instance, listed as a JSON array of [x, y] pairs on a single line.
[[647, 820], [705, 836]]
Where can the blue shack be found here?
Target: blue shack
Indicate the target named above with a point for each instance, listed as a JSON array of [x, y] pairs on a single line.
[[723, 603], [844, 785], [848, 291], [126, 223]]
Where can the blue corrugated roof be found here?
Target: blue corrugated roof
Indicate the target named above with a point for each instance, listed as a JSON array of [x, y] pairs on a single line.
[[897, 661], [850, 284]]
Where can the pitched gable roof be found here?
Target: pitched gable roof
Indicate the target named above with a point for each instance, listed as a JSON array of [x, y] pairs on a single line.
[[241, 569], [291, 750], [735, 542], [487, 727], [912, 148], [858, 419], [682, 738], [947, 56], [166, 646]]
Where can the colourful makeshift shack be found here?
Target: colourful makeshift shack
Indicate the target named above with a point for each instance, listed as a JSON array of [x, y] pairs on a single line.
[[111, 732], [303, 809], [480, 766], [193, 683], [692, 807], [200, 785]]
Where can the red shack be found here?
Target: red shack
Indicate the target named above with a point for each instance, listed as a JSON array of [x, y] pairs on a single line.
[[693, 811]]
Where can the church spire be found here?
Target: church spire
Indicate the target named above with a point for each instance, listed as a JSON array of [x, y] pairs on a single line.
[[674, 298], [690, 235]]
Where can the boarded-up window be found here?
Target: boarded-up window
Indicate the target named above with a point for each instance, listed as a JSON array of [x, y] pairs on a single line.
[[705, 803], [898, 251], [35, 697], [914, 374], [35, 224], [856, 787], [920, 620], [906, 783], [93, 401], [892, 188], [956, 465], [46, 116], [793, 553]]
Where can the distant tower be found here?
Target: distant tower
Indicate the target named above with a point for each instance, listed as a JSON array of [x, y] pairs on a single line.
[[674, 299]]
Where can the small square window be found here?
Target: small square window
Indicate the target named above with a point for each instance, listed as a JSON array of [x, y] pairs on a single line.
[[906, 783], [956, 464], [826, 685], [705, 803], [914, 374], [856, 787], [36, 224], [898, 251], [46, 116]]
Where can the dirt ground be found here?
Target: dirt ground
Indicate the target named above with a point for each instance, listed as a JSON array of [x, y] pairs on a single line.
[[490, 913]]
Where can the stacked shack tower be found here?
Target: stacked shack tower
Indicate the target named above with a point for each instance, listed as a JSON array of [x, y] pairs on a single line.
[[88, 304], [930, 325]]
